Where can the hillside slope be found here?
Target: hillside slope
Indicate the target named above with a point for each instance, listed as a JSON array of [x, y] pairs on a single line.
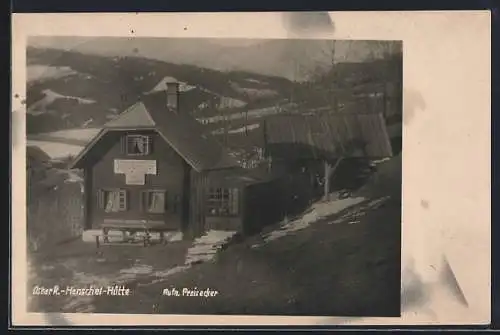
[[70, 90]]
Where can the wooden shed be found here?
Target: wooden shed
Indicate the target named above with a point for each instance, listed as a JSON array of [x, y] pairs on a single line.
[[237, 200], [295, 143]]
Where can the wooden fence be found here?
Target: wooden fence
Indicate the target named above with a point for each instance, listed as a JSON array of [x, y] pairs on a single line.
[[55, 215]]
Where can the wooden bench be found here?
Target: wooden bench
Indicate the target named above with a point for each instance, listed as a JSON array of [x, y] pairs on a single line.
[[133, 228]]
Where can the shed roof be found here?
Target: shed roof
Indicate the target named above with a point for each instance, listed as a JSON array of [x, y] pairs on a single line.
[[178, 128], [328, 135], [239, 177]]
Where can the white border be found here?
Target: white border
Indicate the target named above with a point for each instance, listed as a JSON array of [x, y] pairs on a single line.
[[446, 160]]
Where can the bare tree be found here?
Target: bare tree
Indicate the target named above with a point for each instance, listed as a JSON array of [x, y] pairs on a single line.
[[334, 92]]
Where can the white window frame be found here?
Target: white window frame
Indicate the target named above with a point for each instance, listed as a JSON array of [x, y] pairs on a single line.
[[231, 203], [144, 201], [123, 200], [147, 143]]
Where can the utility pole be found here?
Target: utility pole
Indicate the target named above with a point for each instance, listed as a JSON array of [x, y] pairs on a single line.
[[334, 79]]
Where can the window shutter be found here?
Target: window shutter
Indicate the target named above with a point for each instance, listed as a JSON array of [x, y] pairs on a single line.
[[122, 200], [123, 144], [149, 144], [100, 199], [234, 201]]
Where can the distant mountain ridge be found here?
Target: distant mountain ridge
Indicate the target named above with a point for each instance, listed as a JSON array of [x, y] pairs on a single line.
[[288, 58]]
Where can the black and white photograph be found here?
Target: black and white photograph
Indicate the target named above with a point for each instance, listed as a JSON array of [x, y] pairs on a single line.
[[214, 176], [238, 169]]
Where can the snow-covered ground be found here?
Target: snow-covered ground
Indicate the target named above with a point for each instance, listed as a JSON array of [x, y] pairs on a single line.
[[41, 72], [376, 162], [50, 97], [240, 130], [57, 150], [227, 102], [253, 113], [352, 216], [253, 92], [317, 212], [162, 85], [250, 80], [205, 247], [85, 134]]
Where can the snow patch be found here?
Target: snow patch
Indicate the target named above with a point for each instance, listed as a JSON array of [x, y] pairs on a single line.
[[253, 92], [250, 80], [224, 102], [379, 161], [253, 113], [75, 134], [57, 150], [227, 102], [318, 211], [50, 97], [240, 130], [162, 85], [205, 247], [352, 216], [42, 72], [138, 269], [86, 123]]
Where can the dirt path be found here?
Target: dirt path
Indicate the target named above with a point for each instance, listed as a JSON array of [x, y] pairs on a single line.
[[82, 265]]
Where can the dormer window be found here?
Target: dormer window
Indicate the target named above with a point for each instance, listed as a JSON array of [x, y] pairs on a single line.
[[138, 145]]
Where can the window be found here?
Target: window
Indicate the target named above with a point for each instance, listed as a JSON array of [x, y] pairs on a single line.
[[154, 201], [137, 145], [112, 201], [222, 202]]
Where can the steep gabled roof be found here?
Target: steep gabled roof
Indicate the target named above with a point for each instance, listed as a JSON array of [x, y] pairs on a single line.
[[135, 116], [187, 136], [178, 128]]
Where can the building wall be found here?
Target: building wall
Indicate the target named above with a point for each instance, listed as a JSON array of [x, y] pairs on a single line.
[[170, 177], [197, 209], [199, 221], [264, 204], [260, 204]]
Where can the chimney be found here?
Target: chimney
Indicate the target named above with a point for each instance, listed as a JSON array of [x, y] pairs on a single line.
[[173, 95]]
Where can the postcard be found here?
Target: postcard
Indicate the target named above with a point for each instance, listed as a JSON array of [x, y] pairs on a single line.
[[251, 168]]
